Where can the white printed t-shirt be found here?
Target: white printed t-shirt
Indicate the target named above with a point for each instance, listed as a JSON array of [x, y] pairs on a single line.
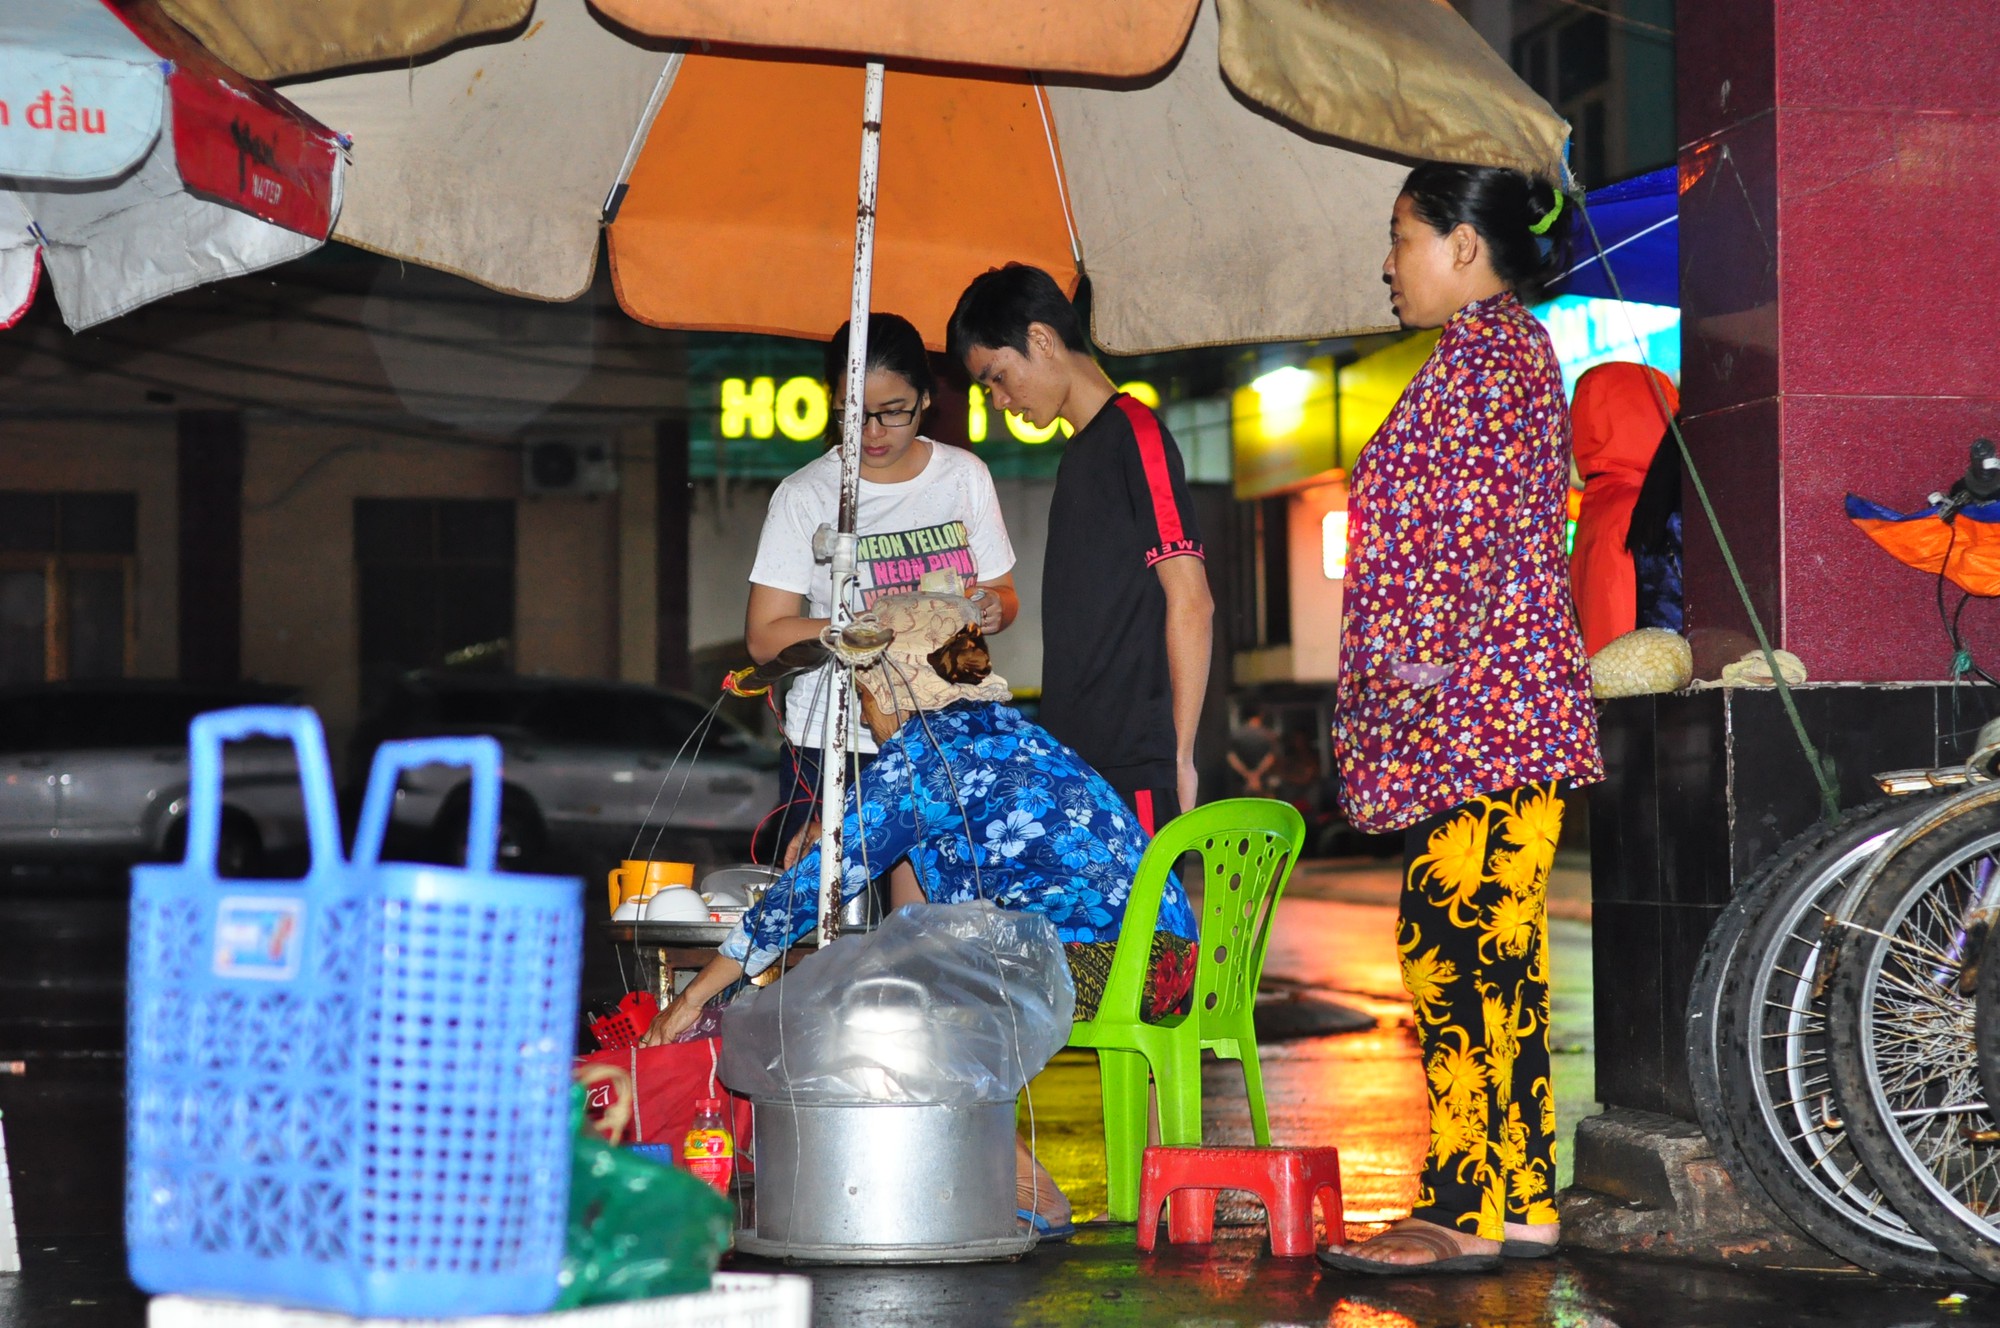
[[946, 517]]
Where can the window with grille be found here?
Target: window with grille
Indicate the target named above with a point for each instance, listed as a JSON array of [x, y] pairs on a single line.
[[1568, 61], [436, 586], [68, 567]]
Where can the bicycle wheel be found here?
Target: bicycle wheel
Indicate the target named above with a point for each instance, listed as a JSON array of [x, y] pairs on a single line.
[[1718, 958], [1986, 1017], [1771, 1031], [1900, 1030]]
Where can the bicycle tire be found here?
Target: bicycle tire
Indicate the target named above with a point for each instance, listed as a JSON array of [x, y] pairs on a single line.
[[1705, 1019], [1772, 1082], [1986, 1017], [1900, 1033], [1703, 1025]]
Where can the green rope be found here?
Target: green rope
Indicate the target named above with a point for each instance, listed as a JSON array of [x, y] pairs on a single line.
[[1822, 766]]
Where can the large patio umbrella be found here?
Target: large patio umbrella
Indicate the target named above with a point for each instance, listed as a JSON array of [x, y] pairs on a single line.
[[135, 164], [1227, 198]]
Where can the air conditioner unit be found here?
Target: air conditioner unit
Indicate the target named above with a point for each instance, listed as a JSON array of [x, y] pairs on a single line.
[[568, 466]]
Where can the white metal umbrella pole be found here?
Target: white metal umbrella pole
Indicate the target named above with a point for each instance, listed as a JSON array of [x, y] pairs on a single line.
[[840, 711]]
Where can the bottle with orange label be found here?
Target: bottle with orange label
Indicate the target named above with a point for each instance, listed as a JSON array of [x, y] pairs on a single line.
[[710, 1151]]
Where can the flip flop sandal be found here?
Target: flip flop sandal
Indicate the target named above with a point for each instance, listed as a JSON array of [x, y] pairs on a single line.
[[1527, 1249], [1447, 1257], [1046, 1231]]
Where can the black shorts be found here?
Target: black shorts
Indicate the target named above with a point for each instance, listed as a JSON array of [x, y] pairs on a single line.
[[1153, 805]]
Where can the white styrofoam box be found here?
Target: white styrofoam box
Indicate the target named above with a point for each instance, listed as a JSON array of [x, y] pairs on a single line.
[[736, 1300]]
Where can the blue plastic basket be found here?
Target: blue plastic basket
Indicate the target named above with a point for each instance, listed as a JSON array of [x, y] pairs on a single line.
[[350, 1091]]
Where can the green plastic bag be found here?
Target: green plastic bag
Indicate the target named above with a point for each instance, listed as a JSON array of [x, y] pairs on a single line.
[[636, 1229]]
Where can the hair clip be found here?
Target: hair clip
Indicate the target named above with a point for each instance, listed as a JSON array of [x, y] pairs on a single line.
[[1548, 218], [963, 658]]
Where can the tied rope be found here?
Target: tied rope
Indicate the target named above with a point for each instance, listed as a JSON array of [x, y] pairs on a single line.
[[1822, 766]]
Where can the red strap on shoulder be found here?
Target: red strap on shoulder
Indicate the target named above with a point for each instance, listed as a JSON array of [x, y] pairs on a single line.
[[1153, 457]]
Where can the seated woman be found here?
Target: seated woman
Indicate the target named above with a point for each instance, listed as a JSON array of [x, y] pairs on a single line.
[[987, 806]]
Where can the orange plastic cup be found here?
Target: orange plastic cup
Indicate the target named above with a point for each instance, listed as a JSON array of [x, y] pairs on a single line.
[[641, 879]]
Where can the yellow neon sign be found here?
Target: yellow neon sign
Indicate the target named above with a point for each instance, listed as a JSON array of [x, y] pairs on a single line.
[[975, 414], [802, 409], [748, 408], [797, 409]]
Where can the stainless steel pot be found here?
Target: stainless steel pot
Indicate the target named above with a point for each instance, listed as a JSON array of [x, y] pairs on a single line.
[[885, 1183]]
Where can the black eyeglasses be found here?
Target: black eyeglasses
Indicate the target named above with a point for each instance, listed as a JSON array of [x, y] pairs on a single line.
[[888, 419]]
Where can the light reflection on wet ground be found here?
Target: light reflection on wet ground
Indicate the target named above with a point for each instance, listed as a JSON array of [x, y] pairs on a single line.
[[1101, 1280]]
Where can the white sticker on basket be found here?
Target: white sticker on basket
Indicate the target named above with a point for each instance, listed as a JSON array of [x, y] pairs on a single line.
[[259, 937]]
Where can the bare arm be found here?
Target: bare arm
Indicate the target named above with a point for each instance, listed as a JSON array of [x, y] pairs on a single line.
[[1190, 636], [684, 1009], [774, 620]]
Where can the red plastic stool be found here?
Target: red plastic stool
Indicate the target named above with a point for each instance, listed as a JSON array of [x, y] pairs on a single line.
[[1285, 1179]]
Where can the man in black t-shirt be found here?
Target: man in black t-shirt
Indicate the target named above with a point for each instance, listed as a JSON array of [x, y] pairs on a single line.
[[1126, 610]]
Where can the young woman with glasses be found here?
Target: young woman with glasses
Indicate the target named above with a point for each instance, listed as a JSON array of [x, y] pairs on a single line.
[[924, 507]]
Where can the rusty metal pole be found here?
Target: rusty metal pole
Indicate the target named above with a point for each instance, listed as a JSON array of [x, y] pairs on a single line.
[[840, 714]]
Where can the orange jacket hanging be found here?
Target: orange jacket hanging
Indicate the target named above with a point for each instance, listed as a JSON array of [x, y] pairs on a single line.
[[1615, 427]]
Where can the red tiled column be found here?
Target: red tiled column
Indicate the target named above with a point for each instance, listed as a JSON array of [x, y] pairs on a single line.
[[1840, 167]]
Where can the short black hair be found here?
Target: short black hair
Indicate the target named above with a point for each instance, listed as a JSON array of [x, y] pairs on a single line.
[[893, 344], [1501, 205], [1000, 304]]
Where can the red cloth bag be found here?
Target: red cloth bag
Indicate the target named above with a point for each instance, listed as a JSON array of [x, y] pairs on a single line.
[[670, 1079]]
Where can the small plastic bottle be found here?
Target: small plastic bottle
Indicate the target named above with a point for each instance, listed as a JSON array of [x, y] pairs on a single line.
[[710, 1151]]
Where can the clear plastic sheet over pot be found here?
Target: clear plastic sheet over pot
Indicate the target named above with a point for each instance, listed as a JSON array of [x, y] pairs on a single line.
[[944, 1003]]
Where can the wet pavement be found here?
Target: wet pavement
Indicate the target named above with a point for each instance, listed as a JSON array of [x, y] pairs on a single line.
[[1100, 1279], [61, 957]]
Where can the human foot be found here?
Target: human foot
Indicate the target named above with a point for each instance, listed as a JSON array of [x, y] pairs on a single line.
[[1413, 1247], [1530, 1240]]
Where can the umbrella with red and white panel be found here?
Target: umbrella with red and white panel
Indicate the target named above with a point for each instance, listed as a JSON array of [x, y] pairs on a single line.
[[137, 164]]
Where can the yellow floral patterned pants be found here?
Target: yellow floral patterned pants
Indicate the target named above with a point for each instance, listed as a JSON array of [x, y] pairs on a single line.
[[1473, 932]]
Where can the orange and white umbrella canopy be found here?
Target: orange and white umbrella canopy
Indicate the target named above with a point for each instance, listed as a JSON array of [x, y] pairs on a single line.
[[1200, 217]]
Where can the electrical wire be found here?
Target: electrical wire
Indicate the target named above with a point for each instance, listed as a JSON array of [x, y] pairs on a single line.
[[1822, 768], [242, 402], [337, 383], [700, 727], [1949, 621], [700, 734], [491, 349], [1623, 20]]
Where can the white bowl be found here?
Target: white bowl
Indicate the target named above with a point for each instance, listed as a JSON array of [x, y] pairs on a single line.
[[676, 904], [736, 887], [629, 911]]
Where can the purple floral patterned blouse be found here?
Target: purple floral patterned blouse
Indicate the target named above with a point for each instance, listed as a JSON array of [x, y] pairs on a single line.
[[1461, 669]]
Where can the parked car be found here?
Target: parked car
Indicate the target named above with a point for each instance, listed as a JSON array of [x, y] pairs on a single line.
[[100, 770], [586, 765]]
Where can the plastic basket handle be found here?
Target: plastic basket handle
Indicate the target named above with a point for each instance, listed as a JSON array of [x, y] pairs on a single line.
[[479, 755], [297, 724]]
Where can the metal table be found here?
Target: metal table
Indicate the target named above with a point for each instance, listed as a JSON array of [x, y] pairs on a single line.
[[677, 950]]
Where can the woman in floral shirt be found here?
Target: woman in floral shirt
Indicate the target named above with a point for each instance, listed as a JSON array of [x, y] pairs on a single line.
[[1464, 699]]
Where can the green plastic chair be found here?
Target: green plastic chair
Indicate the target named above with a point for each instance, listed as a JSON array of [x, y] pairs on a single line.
[[1247, 847]]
